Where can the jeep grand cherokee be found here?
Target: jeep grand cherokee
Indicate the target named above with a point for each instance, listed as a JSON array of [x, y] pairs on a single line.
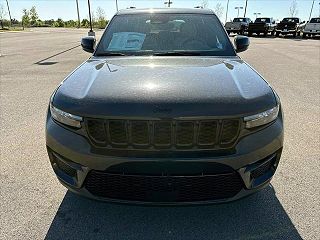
[[164, 112]]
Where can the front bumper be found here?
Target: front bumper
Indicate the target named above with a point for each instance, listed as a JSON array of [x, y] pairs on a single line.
[[72, 159], [288, 31], [313, 32]]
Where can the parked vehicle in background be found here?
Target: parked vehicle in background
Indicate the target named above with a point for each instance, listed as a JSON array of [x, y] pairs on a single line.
[[312, 28], [238, 25], [289, 25], [262, 25]]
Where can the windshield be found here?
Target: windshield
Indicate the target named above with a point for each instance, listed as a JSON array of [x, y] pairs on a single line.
[[289, 20], [156, 34], [315, 20], [262, 20], [239, 20]]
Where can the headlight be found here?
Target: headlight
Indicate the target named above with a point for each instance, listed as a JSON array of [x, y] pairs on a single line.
[[65, 118], [262, 118]]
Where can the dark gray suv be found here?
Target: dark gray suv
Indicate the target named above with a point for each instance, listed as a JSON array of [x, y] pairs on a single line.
[[164, 112]]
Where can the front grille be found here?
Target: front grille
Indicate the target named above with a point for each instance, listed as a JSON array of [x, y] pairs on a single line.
[[163, 188], [171, 134]]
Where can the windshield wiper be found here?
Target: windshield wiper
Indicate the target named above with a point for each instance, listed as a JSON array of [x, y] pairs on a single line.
[[112, 54], [177, 53]]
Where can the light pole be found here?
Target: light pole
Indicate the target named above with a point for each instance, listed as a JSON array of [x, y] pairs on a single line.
[[78, 13], [168, 2], [117, 5], [245, 9], [311, 10], [227, 10], [256, 14], [9, 12], [91, 32], [238, 8]]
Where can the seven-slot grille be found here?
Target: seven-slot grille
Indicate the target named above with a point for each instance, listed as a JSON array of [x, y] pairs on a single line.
[[163, 134]]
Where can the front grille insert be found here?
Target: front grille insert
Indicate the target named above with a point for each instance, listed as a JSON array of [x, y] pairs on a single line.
[[163, 188], [160, 134]]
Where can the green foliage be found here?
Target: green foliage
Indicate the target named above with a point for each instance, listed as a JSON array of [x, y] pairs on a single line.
[[33, 15], [71, 23], [59, 23], [31, 18], [101, 18], [85, 23], [25, 18]]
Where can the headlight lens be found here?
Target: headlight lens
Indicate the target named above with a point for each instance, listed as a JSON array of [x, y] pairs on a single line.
[[65, 118], [262, 118]]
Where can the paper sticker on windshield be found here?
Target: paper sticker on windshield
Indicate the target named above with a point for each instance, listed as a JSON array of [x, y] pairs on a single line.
[[126, 41]]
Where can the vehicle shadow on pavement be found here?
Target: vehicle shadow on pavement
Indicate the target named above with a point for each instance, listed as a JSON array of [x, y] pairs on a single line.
[[259, 216]]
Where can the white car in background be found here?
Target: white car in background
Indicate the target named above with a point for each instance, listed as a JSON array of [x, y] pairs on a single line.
[[312, 28]]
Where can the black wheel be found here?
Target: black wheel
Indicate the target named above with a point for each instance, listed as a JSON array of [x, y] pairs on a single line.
[[241, 32], [304, 35], [228, 32], [265, 34], [277, 34], [294, 34], [249, 34]]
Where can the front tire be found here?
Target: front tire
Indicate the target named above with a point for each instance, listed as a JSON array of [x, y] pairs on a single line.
[[277, 34], [249, 34]]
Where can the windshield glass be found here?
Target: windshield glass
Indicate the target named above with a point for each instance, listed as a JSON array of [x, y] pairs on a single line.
[[315, 20], [289, 20], [262, 20], [239, 20], [155, 34]]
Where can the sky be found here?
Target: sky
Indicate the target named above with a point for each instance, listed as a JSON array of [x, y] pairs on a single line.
[[66, 9]]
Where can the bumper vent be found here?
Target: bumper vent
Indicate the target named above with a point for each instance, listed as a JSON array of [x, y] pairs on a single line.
[[171, 134], [263, 168], [163, 188]]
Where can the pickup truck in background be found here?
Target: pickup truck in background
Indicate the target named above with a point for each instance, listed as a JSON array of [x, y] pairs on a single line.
[[238, 25], [312, 28], [262, 25], [290, 25]]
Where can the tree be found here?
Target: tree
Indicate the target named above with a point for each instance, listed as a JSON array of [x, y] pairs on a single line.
[[33, 15], [59, 23], [85, 23], [2, 14], [218, 10], [101, 18], [25, 18], [204, 3], [293, 10]]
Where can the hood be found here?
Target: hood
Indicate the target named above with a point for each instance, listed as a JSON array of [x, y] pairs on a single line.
[[312, 26], [164, 87]]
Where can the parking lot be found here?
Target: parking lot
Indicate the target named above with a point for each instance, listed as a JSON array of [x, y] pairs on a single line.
[[34, 205]]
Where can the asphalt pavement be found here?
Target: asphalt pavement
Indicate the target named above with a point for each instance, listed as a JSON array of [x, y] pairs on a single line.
[[33, 204]]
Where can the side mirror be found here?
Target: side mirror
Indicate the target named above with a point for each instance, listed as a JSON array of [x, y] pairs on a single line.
[[303, 22], [273, 22], [242, 43], [88, 44]]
